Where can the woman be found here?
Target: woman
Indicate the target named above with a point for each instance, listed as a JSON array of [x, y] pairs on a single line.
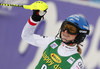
[[59, 53]]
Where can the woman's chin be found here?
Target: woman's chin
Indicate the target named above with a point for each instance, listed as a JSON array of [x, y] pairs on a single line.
[[64, 40]]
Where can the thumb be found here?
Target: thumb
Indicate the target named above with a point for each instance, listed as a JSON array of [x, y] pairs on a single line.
[[42, 13]]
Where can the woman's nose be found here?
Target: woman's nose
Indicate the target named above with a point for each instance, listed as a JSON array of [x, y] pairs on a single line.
[[66, 31]]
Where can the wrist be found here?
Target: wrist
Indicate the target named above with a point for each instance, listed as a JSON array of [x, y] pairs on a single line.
[[32, 22]]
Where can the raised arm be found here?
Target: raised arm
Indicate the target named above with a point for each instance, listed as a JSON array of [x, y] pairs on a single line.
[[28, 30]]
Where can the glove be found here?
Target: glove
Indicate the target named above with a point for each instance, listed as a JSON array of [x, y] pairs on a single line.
[[38, 15], [39, 10]]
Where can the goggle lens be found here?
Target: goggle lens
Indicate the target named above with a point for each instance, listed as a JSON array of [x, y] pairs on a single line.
[[71, 29]]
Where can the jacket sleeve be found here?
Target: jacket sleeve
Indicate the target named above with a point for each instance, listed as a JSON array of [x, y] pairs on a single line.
[[78, 65], [34, 39]]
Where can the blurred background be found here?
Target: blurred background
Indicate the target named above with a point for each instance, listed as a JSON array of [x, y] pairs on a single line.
[[17, 54]]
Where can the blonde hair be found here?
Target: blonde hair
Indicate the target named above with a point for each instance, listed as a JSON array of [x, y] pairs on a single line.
[[79, 49]]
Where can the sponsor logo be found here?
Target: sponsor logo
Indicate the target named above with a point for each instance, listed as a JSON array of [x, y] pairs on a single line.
[[71, 60], [56, 66], [80, 65], [55, 58], [72, 19], [53, 45], [85, 27], [82, 31], [47, 59], [76, 17]]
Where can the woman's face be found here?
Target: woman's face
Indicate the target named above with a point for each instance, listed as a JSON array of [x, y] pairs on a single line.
[[66, 37]]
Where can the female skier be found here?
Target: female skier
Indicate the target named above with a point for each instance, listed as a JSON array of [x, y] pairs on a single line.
[[62, 53]]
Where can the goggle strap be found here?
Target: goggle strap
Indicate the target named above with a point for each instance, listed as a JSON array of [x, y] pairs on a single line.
[[84, 31]]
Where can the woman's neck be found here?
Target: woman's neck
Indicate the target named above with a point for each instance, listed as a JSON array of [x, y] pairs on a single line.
[[71, 45]]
